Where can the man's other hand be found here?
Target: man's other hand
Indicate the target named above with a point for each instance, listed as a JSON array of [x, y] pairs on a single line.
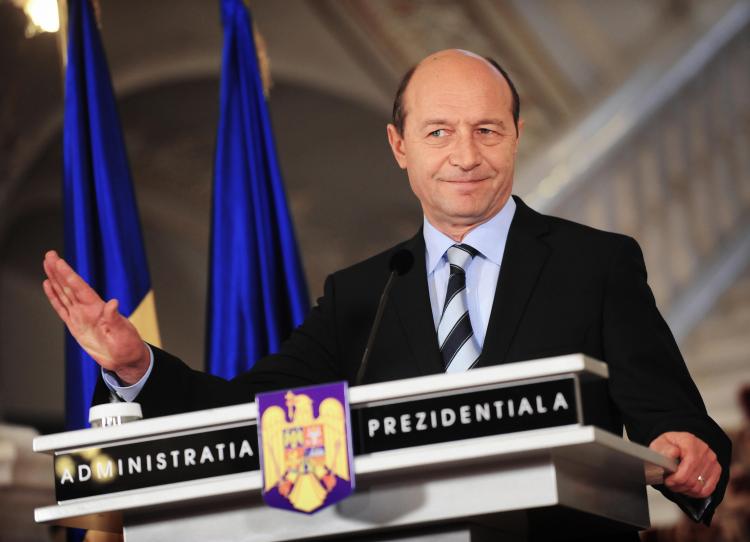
[[699, 470], [104, 333]]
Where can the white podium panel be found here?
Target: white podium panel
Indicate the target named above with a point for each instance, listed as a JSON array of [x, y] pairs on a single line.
[[517, 482]]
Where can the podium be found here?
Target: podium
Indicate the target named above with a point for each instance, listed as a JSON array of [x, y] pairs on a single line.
[[513, 452]]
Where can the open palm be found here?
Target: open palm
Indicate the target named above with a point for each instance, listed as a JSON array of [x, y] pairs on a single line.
[[100, 329]]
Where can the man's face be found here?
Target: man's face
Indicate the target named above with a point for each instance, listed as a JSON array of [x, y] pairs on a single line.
[[459, 140]]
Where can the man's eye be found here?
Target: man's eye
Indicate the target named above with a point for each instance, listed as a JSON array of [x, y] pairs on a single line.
[[486, 131], [440, 132]]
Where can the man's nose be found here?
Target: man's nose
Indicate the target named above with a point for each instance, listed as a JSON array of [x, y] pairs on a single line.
[[465, 154]]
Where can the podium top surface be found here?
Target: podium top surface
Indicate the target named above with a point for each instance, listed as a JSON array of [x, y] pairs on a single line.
[[369, 394]]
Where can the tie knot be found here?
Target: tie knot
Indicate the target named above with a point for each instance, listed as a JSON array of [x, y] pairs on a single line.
[[460, 256]]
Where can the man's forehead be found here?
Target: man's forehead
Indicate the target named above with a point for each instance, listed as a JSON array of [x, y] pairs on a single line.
[[456, 72], [449, 83]]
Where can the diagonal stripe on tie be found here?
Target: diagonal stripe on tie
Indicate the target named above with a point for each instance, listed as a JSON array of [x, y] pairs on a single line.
[[456, 284], [458, 335], [451, 315], [465, 358]]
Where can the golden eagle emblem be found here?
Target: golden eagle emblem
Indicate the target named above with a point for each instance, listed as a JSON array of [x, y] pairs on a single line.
[[305, 459]]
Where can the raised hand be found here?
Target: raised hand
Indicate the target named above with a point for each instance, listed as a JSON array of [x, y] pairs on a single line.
[[699, 470], [104, 333]]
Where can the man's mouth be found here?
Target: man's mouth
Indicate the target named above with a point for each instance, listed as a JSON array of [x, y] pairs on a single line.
[[467, 180]]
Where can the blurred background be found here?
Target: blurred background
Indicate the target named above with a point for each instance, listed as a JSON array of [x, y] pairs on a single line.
[[637, 120]]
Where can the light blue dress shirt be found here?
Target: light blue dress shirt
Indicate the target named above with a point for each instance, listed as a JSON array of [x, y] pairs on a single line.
[[482, 273]]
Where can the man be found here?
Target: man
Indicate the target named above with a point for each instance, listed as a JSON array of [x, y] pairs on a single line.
[[492, 282]]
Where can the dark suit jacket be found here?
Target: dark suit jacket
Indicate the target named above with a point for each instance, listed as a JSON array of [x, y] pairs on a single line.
[[563, 288]]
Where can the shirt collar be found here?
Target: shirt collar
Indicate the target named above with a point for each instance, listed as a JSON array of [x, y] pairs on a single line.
[[488, 238]]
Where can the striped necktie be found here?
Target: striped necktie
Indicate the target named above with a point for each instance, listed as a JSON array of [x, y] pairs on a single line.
[[456, 338]]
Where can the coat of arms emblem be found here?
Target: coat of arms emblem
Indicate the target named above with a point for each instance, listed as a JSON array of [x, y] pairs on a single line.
[[305, 444]]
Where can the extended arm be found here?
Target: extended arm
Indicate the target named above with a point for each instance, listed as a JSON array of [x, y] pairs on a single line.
[[309, 356]]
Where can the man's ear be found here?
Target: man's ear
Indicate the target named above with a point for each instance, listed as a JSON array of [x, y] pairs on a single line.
[[396, 142]]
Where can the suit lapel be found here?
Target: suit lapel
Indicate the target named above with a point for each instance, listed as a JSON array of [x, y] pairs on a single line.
[[523, 260], [411, 298]]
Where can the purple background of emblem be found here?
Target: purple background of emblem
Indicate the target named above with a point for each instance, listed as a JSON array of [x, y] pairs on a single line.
[[340, 492], [336, 390]]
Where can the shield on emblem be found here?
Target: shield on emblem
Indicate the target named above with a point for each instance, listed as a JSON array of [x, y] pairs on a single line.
[[304, 438]]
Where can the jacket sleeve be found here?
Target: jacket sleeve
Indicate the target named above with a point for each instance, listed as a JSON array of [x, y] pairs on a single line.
[[649, 381]]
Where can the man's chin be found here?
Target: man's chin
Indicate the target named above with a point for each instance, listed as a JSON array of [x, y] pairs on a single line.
[[460, 188], [465, 217]]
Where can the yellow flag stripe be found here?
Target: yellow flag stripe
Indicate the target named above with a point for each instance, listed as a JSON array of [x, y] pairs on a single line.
[[144, 320]]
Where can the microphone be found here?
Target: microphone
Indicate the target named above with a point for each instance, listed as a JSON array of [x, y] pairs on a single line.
[[400, 264]]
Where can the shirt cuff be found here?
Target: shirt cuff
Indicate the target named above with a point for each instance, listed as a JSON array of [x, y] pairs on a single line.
[[128, 393]]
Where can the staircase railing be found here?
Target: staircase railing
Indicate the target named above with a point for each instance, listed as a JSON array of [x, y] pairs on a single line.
[[667, 160]]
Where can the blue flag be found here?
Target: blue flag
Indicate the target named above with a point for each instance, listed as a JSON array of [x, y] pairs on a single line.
[[257, 291], [103, 241]]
